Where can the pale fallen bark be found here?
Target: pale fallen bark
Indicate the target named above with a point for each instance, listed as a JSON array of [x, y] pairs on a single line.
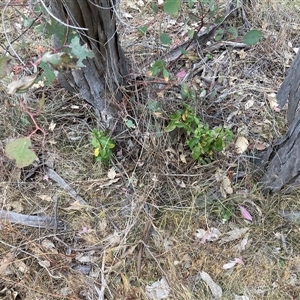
[[32, 221]]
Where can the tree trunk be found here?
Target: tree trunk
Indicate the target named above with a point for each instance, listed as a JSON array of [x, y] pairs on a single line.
[[283, 157], [103, 74]]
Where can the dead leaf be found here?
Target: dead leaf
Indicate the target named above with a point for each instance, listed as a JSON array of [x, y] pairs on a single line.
[[215, 289], [249, 104], [210, 235], [47, 198], [241, 144], [233, 235], [17, 206], [259, 146], [21, 85], [52, 126], [242, 245], [237, 297], [111, 174], [272, 101], [44, 263], [232, 263], [76, 206], [242, 54], [182, 158], [158, 290], [226, 187], [126, 283], [99, 187], [6, 261]]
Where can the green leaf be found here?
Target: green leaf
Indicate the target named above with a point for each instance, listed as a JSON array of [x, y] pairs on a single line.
[[129, 124], [154, 7], [170, 127], [171, 7], [20, 151], [219, 144], [158, 66], [143, 30], [80, 51], [48, 76], [233, 31], [252, 37], [165, 39], [53, 59], [183, 51], [57, 29], [166, 75], [219, 35], [191, 33]]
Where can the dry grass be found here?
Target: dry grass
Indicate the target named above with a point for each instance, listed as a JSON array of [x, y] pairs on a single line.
[[156, 202]]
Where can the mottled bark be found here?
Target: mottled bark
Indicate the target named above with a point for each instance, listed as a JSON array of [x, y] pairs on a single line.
[[283, 157], [103, 74]]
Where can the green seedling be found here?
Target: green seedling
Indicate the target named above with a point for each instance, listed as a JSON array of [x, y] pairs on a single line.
[[201, 140], [103, 146]]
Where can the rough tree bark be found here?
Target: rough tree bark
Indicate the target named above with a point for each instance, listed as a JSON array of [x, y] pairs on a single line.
[[283, 157], [104, 73]]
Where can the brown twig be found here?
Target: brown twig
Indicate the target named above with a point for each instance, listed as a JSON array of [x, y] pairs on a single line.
[[32, 117]]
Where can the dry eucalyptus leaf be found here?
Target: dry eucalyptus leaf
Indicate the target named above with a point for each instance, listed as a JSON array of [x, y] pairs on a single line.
[[215, 289], [6, 262], [249, 104], [226, 186], [272, 100], [111, 174], [21, 85], [158, 290], [233, 235], [76, 206], [241, 144]]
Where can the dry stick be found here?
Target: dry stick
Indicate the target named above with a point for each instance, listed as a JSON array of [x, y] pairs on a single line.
[[144, 240], [32, 221], [176, 53], [62, 183]]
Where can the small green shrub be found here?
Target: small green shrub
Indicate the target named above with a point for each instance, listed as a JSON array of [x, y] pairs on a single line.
[[202, 140], [103, 146]]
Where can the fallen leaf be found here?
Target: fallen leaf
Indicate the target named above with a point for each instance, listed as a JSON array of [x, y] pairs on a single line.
[[249, 104], [276, 109], [111, 174], [226, 187], [246, 215], [76, 206], [237, 297], [215, 289], [272, 101], [52, 126], [241, 144], [47, 198], [83, 230], [260, 146], [22, 85], [181, 74], [182, 158], [233, 235], [6, 261], [158, 290], [210, 235], [232, 263]]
